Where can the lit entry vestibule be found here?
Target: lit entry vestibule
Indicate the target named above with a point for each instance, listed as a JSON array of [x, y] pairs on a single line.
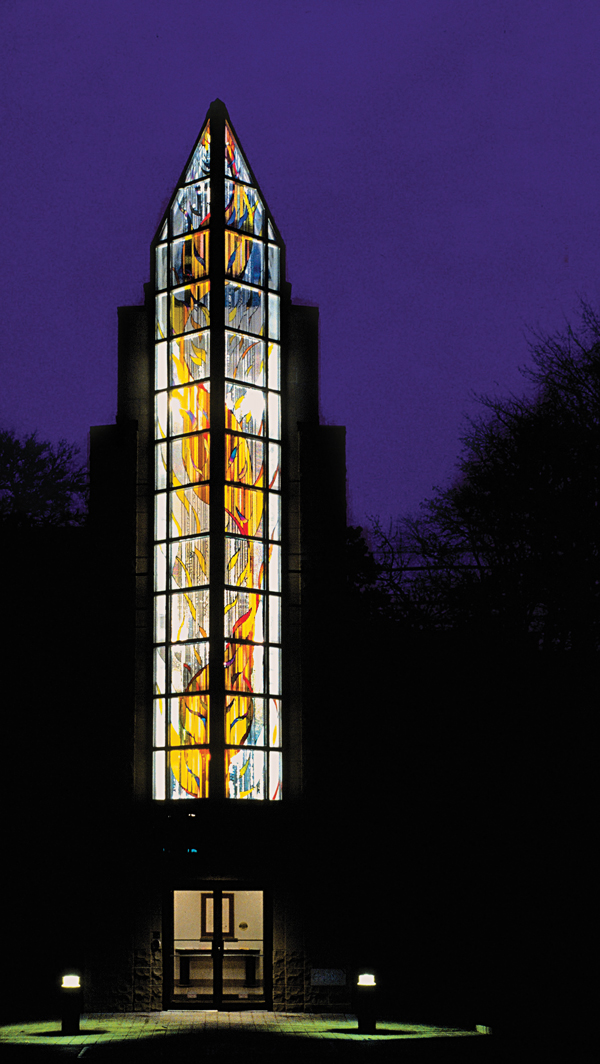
[[218, 947]]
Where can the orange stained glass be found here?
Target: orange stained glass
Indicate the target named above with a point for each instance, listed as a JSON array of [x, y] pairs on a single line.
[[244, 509], [244, 720], [189, 258], [190, 769], [189, 511], [244, 668]]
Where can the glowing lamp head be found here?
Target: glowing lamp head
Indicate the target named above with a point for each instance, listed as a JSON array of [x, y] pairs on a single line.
[[366, 980], [70, 981]]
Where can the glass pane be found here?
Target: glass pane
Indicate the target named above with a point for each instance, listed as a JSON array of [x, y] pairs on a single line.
[[160, 366], [273, 266], [160, 567], [189, 615], [190, 358], [189, 511], [274, 567], [189, 408], [244, 721], [274, 619], [275, 775], [274, 516], [274, 478], [191, 208], [190, 307], [244, 561], [244, 615], [199, 165], [244, 668], [189, 667], [271, 231], [158, 788], [160, 610], [161, 266], [243, 208], [274, 722], [244, 460], [273, 316], [274, 363], [161, 466], [165, 230], [274, 416], [192, 961], [190, 459], [188, 776], [244, 358], [189, 258], [235, 165], [160, 516], [189, 562], [160, 324], [245, 773], [244, 308], [245, 409], [244, 258], [188, 720], [161, 403], [275, 670], [244, 511], [159, 722], [160, 671]]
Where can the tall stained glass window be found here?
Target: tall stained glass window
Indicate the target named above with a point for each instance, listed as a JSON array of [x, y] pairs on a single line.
[[217, 516]]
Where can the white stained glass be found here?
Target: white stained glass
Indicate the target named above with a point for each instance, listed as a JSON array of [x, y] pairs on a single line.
[[248, 408], [274, 416], [158, 790], [274, 516], [160, 366], [189, 670], [160, 326], [274, 722], [244, 616], [244, 308], [161, 405], [160, 466], [271, 231], [160, 670], [244, 560], [273, 266], [274, 619], [244, 358], [165, 230], [247, 774], [189, 562], [273, 316], [274, 477], [160, 627], [161, 266], [274, 365], [160, 567], [159, 722], [275, 670], [160, 516], [189, 511], [274, 567], [274, 776], [189, 615], [190, 357]]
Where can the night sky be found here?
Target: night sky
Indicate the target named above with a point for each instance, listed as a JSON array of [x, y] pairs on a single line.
[[432, 165]]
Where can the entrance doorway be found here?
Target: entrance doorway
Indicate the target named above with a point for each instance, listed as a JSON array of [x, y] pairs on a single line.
[[218, 948]]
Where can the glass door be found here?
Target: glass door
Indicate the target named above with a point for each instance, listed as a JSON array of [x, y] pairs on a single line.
[[218, 948]]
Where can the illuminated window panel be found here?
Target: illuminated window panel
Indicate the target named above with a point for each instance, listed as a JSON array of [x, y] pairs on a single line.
[[161, 266], [274, 475], [274, 722], [245, 771], [275, 670], [158, 775], [160, 366], [244, 562], [160, 615], [244, 615], [189, 667], [244, 208], [189, 562], [190, 308], [199, 165], [244, 308], [274, 619], [273, 258], [274, 416], [189, 720], [274, 360], [160, 567], [191, 209], [189, 511], [160, 670], [190, 358], [188, 775], [245, 409], [274, 516], [245, 358], [189, 258], [245, 721], [274, 567], [161, 408], [189, 615], [273, 316], [159, 728], [160, 321], [244, 668], [244, 511], [190, 459], [189, 408], [160, 470], [160, 516], [244, 258], [275, 776], [234, 160], [244, 460]]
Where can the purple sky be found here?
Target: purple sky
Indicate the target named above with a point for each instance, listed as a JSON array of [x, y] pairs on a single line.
[[433, 166]]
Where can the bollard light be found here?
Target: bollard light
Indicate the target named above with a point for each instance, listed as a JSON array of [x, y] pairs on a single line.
[[365, 1003], [71, 998]]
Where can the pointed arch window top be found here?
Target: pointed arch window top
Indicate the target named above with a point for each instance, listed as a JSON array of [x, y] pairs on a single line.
[[199, 165], [235, 165]]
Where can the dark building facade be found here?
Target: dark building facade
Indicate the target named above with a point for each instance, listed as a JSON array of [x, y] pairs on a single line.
[[217, 522]]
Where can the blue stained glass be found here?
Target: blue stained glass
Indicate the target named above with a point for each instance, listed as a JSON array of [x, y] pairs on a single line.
[[235, 165], [244, 308], [200, 162], [191, 208], [244, 258], [243, 208]]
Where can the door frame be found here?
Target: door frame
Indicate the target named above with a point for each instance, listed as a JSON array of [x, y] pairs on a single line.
[[215, 1002]]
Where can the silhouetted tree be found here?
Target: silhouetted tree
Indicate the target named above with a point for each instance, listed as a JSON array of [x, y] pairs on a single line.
[[510, 549], [40, 483]]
